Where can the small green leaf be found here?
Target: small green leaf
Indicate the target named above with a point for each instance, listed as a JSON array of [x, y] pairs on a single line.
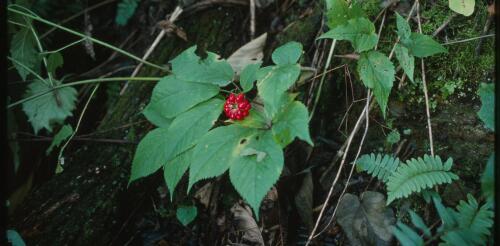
[[190, 67], [360, 32], [292, 122], [53, 107], [487, 112], [125, 10], [393, 137], [420, 45], [288, 53], [174, 169], [463, 7], [338, 12], [186, 214], [406, 60], [404, 30], [62, 135], [253, 178], [249, 75], [406, 236], [155, 117], [488, 179], [54, 61], [377, 73], [418, 222], [172, 96], [23, 49]]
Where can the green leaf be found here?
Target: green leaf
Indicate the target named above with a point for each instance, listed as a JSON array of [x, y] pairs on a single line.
[[463, 7], [186, 214], [488, 180], [338, 12], [150, 154], [162, 145], [288, 53], [404, 30], [54, 61], [172, 96], [253, 178], [255, 119], [487, 112], [360, 32], [249, 75], [273, 85], [53, 107], [406, 236], [216, 151], [381, 165], [292, 122], [377, 73], [445, 214], [155, 117], [174, 169], [190, 67], [125, 10], [23, 49], [14, 238], [393, 137], [418, 222], [62, 135], [406, 60], [420, 45]]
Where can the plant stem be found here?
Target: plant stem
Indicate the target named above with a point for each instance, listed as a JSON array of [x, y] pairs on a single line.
[[81, 82], [64, 47], [29, 69], [322, 80], [123, 52], [40, 49]]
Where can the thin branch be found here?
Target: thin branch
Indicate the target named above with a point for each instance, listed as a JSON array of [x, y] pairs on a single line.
[[252, 19], [322, 80], [470, 39]]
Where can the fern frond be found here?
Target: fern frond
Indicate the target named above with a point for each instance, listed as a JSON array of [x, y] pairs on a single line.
[[125, 10], [417, 175], [475, 220], [380, 166], [406, 236]]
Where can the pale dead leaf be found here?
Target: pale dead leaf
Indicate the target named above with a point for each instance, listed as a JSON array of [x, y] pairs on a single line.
[[250, 53], [204, 193], [245, 223]]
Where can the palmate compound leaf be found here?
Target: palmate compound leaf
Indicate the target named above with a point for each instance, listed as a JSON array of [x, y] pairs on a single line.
[[487, 112], [228, 147], [338, 12], [291, 122], [53, 107], [23, 50], [172, 96], [417, 175], [190, 67], [360, 32], [377, 73], [164, 144], [406, 60]]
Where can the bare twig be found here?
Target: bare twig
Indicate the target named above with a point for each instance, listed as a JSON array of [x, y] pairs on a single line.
[[444, 25], [469, 39], [252, 19], [173, 17]]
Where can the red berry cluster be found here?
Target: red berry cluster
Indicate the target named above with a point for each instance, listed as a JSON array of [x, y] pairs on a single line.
[[236, 106]]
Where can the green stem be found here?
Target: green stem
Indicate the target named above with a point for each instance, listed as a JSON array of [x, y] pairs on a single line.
[[40, 49], [27, 68], [123, 52], [64, 47], [81, 82], [17, 24]]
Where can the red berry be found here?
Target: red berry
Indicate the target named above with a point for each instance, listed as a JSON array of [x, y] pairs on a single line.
[[236, 107]]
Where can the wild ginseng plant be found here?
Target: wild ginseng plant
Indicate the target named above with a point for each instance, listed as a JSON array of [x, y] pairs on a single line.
[[247, 139]]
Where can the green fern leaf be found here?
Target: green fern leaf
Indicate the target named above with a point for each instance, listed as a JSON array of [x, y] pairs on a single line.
[[406, 236], [125, 10], [380, 166], [417, 175]]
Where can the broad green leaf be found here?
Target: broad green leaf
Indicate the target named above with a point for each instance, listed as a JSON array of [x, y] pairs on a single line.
[[162, 145], [488, 179], [338, 12], [290, 123], [54, 61], [23, 49], [273, 85], [252, 178], [255, 119], [125, 10], [172, 96], [53, 107], [420, 45], [248, 76], [150, 154], [463, 7], [404, 30], [174, 169], [186, 214], [217, 150], [406, 60], [288, 53], [155, 117], [360, 32], [487, 112], [62, 135], [190, 67], [377, 73]]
